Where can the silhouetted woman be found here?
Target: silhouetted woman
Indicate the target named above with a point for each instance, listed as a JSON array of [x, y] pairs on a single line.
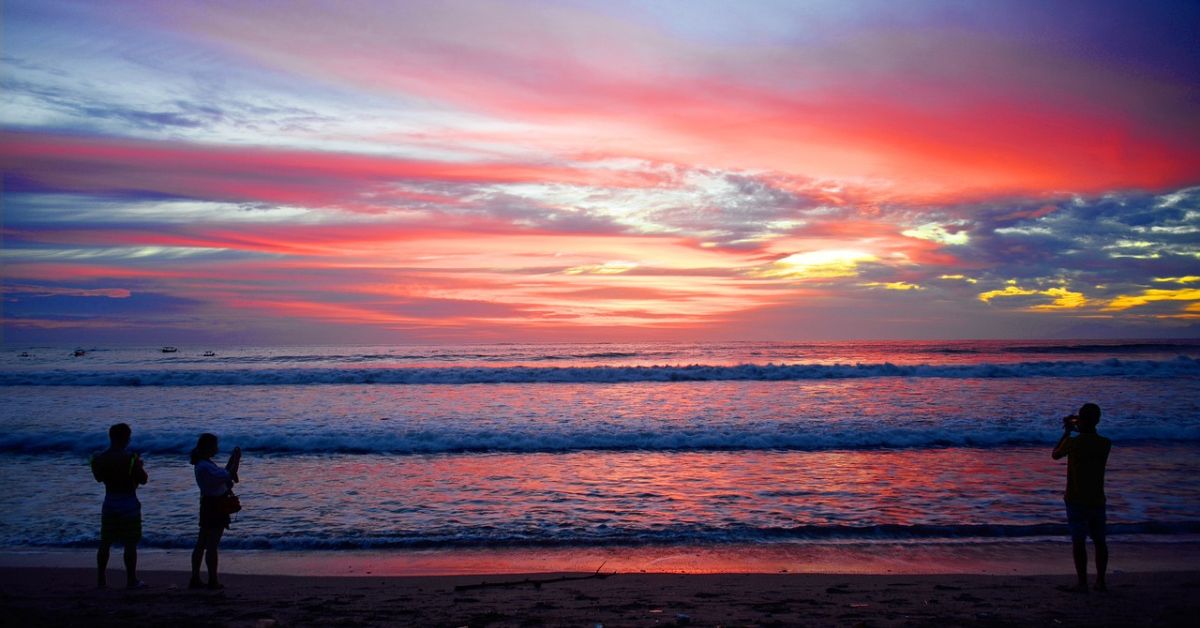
[[214, 483]]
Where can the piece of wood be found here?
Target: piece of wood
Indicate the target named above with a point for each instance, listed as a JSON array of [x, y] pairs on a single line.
[[535, 582]]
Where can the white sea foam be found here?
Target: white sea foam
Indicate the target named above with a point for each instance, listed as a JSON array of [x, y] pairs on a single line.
[[515, 535], [1181, 366], [463, 437]]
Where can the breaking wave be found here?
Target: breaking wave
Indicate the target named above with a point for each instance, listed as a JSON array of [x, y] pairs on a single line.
[[539, 437], [617, 535], [1181, 366]]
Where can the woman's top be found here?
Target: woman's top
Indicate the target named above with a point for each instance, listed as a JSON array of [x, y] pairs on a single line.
[[212, 480]]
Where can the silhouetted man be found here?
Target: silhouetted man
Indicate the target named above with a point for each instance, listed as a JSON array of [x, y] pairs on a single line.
[[1087, 455], [121, 517]]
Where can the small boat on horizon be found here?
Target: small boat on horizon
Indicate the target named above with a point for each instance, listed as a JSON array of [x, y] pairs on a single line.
[[209, 354], [24, 354], [79, 353], [169, 349]]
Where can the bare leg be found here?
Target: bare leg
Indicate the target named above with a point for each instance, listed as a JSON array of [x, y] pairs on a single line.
[[131, 565], [211, 558], [197, 558], [1079, 551], [1101, 563], [102, 563]]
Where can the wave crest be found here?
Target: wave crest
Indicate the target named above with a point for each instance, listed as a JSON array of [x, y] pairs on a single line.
[[544, 438], [469, 537], [1181, 366]]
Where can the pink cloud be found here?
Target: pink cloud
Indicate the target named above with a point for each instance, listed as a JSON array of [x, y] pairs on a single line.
[[930, 113], [312, 179], [50, 291]]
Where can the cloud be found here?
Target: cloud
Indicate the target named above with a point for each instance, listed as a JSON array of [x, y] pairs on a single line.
[[939, 233], [1125, 302], [224, 173], [175, 182], [1007, 291], [975, 103], [503, 168], [1064, 299], [46, 291], [817, 265], [68, 304], [902, 286], [607, 268], [1113, 239]]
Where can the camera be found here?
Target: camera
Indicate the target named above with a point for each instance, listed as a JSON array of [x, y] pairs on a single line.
[[1071, 422]]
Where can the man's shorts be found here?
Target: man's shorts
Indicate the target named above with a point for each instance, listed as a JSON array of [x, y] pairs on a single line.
[[120, 529], [121, 518], [1084, 521]]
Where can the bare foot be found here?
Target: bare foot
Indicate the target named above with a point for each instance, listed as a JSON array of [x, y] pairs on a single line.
[[1101, 586]]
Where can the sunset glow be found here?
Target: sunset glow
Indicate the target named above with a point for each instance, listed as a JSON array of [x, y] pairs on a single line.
[[598, 171]]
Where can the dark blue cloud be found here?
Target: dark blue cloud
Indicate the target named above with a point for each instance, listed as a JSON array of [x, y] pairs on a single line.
[[1100, 247], [19, 189], [63, 307]]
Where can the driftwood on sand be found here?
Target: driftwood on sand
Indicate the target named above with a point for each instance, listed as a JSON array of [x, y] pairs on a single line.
[[536, 582]]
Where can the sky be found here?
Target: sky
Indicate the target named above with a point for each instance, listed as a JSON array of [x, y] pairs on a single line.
[[598, 171]]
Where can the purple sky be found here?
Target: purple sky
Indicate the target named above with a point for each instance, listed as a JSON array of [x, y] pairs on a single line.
[[268, 172]]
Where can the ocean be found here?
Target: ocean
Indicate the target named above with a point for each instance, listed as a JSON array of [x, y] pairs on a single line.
[[605, 445]]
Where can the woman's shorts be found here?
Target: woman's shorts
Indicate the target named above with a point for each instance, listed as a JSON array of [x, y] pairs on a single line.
[[211, 515]]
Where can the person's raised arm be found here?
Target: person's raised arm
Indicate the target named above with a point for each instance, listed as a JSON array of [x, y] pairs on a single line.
[[139, 470], [235, 461], [95, 470], [1064, 444]]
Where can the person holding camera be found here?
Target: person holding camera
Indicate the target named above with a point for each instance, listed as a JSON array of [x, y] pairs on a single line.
[[1087, 456], [215, 484]]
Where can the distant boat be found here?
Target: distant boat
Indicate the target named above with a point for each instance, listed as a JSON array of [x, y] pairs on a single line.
[[79, 353], [24, 354], [169, 349], [209, 354]]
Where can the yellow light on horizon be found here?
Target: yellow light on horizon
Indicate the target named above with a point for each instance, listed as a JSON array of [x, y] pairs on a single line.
[[826, 264], [1064, 299], [893, 285], [1008, 291], [607, 268], [1127, 301]]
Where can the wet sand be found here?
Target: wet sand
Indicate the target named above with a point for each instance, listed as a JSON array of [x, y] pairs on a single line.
[[998, 558], [67, 597], [875, 584]]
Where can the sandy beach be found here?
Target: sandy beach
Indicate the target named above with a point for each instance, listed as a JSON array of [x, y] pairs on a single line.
[[67, 597]]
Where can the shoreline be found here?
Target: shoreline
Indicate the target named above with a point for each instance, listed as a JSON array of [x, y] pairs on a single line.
[[990, 557], [67, 597], [959, 583]]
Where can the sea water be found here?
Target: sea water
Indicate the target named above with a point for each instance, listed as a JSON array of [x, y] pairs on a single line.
[[604, 445]]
